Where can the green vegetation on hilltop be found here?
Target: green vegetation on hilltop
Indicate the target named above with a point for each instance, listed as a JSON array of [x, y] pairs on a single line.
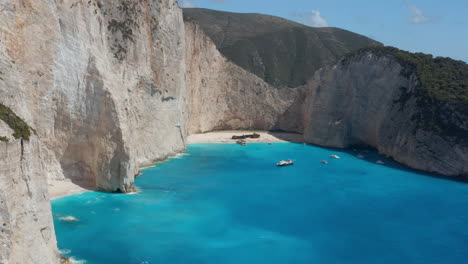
[[281, 52], [442, 92], [20, 128]]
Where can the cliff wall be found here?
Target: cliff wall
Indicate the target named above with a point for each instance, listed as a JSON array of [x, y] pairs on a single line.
[[223, 96], [98, 81], [102, 85], [26, 229], [364, 101]]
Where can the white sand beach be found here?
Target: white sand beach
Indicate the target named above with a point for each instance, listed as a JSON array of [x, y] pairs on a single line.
[[225, 137], [62, 188]]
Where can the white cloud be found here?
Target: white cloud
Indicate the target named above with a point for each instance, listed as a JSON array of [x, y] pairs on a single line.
[[316, 20], [418, 16], [311, 18], [188, 3]]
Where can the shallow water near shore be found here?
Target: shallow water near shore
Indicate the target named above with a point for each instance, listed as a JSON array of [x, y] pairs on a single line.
[[224, 203]]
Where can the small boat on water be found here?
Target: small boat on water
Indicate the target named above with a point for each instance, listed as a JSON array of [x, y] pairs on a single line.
[[324, 162], [360, 156], [285, 163], [334, 156], [380, 162], [241, 142]]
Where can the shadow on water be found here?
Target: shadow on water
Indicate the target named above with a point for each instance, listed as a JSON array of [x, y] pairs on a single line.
[[372, 155], [287, 136], [369, 154]]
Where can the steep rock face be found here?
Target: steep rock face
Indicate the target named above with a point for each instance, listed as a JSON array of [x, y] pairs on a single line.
[[6, 131], [102, 82], [27, 232], [223, 96], [359, 102]]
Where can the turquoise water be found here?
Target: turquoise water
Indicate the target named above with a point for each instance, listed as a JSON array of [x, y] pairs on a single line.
[[224, 203]]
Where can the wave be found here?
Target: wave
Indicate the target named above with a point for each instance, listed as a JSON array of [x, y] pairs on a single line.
[[77, 261], [180, 155], [135, 192], [64, 251]]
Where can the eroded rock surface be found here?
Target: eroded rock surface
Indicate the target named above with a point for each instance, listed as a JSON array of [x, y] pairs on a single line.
[[359, 102], [223, 96], [96, 79], [102, 84], [26, 229]]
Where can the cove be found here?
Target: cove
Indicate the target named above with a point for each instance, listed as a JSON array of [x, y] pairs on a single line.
[[225, 203]]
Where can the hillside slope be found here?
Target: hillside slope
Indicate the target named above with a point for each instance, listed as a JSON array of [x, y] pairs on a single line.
[[281, 52]]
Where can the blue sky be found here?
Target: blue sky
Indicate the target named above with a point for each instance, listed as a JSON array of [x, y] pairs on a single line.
[[430, 26]]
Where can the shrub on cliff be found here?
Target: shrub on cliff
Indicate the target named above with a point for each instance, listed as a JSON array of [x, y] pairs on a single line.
[[20, 128], [442, 92]]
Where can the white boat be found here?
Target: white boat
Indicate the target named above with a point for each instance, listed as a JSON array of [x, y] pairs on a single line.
[[360, 156], [334, 156], [285, 163], [324, 162], [380, 162]]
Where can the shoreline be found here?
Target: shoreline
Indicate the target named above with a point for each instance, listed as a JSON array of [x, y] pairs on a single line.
[[225, 137], [63, 188]]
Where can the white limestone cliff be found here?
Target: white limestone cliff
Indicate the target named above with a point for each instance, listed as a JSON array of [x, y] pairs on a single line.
[[223, 96], [98, 81], [26, 230], [359, 103], [102, 83]]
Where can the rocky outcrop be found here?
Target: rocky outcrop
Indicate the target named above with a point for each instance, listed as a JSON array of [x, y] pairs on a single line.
[[223, 96], [26, 228], [364, 101], [99, 81], [102, 84]]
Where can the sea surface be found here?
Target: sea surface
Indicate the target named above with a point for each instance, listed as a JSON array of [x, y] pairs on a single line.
[[225, 203]]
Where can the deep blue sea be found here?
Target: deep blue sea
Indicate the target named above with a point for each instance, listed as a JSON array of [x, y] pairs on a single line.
[[224, 203]]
